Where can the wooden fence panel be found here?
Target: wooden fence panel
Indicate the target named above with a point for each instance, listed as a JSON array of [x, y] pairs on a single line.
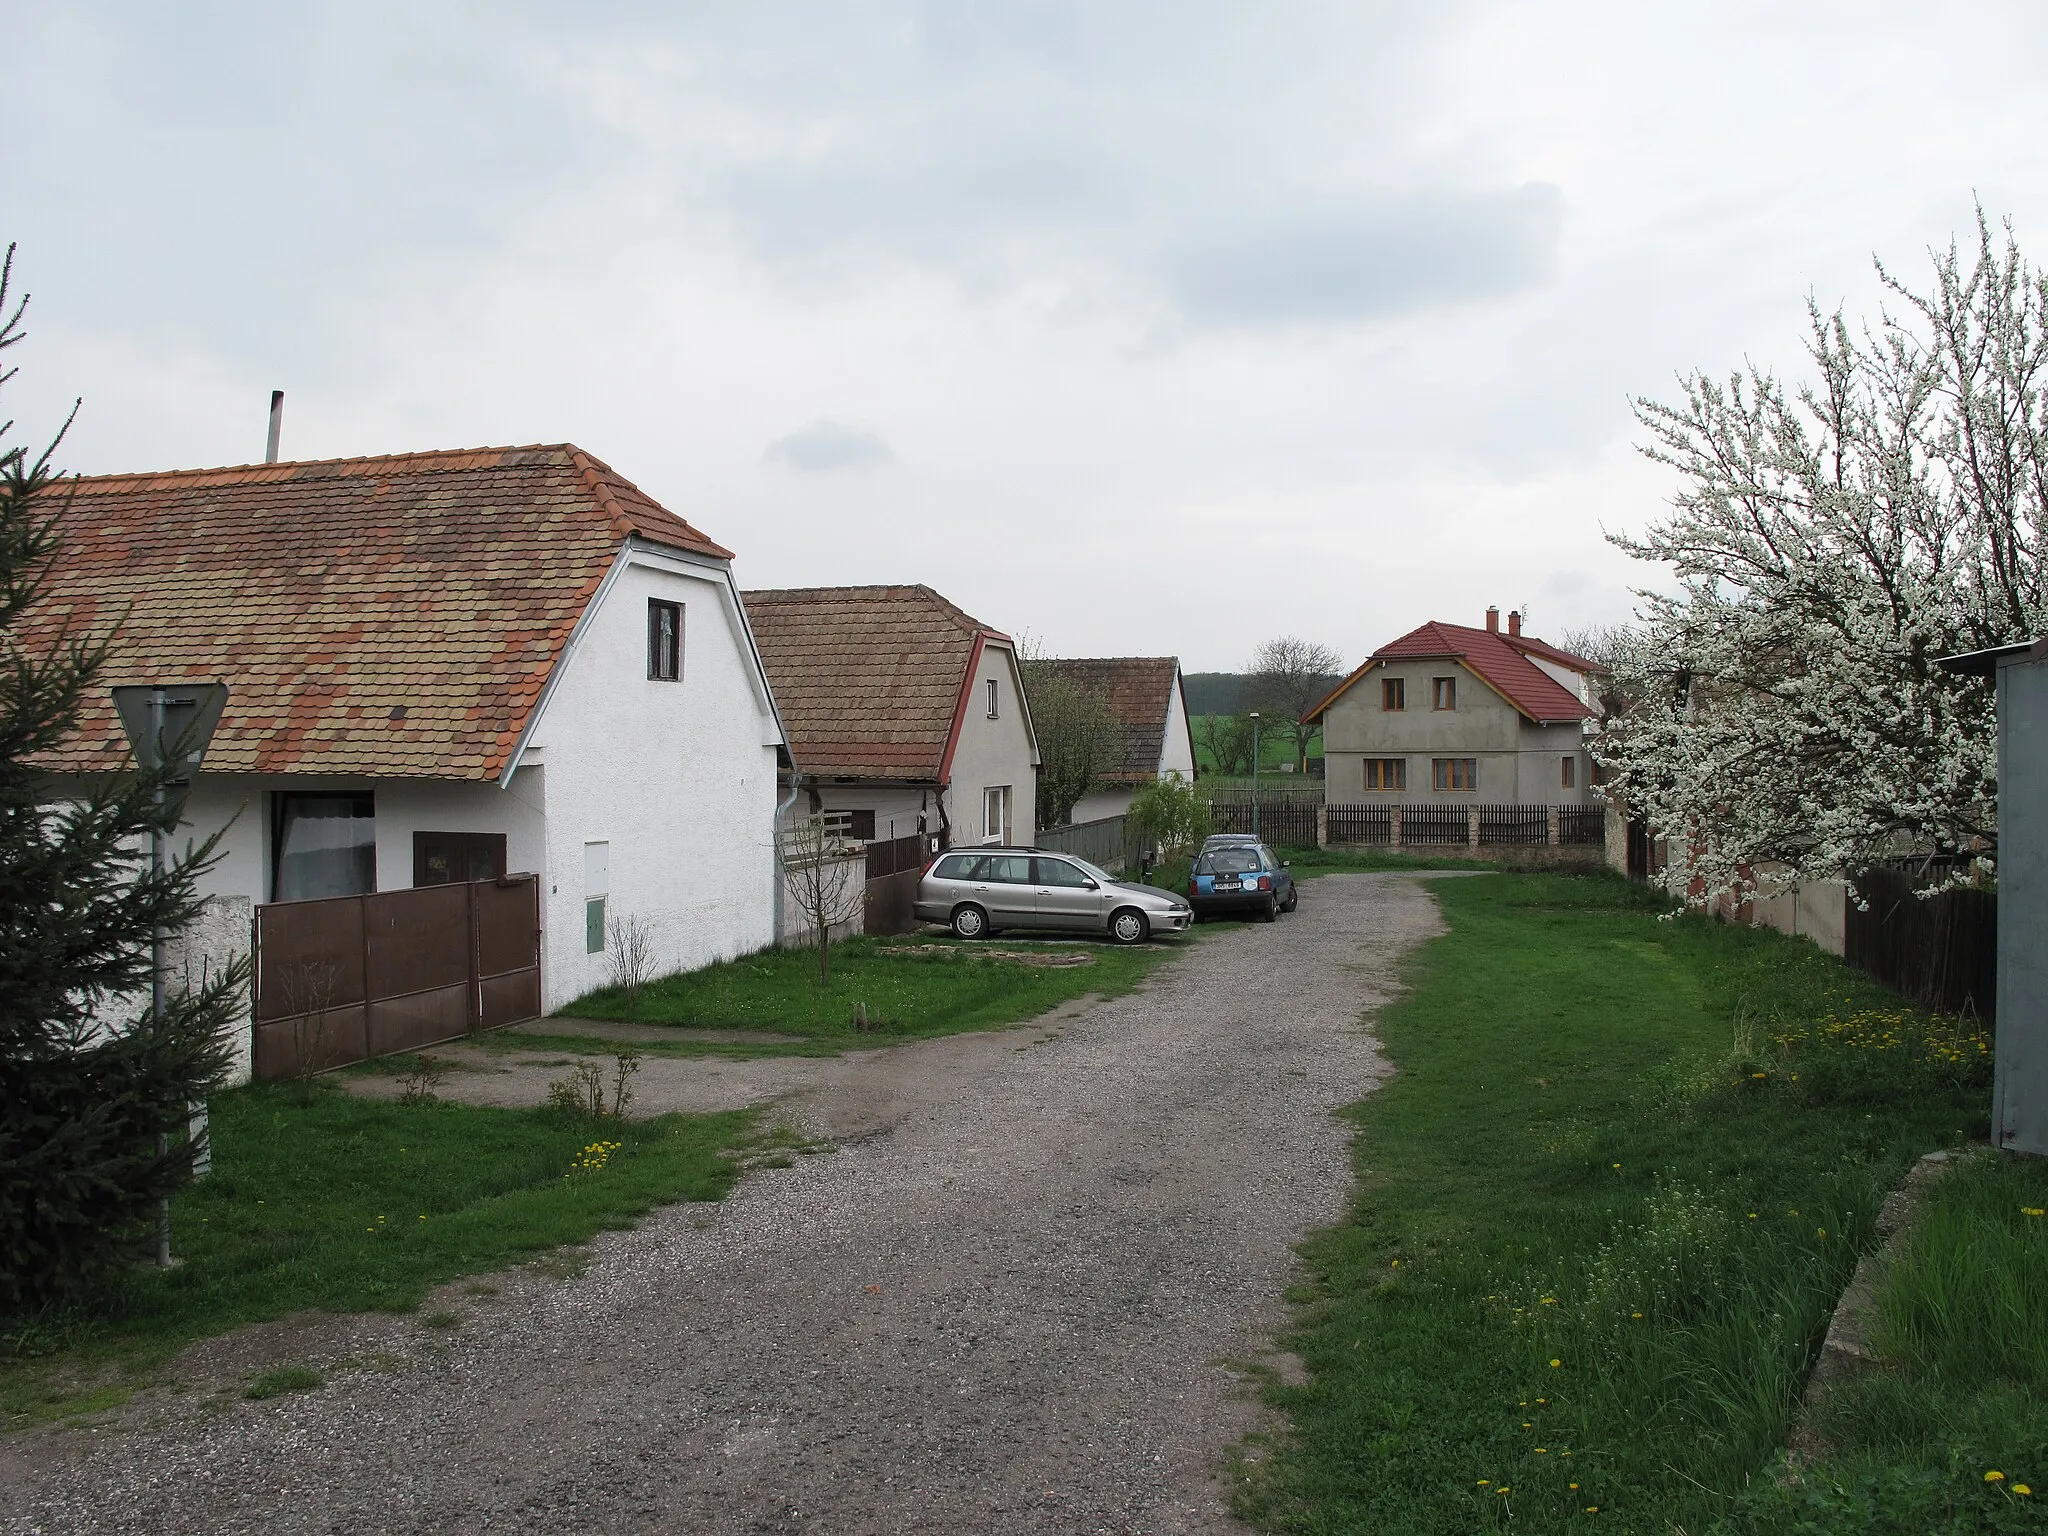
[[1941, 950], [1518, 825], [1436, 825], [894, 867], [1369, 826], [1580, 825]]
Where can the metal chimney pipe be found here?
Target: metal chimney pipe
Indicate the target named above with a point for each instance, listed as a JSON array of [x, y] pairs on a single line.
[[276, 425]]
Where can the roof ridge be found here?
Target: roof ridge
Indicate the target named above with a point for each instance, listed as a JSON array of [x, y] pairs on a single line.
[[898, 589], [279, 467]]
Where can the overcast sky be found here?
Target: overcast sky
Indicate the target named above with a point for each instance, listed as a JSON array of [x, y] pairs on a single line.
[[1143, 329]]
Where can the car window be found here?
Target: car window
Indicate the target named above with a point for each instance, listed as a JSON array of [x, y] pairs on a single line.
[[1005, 869], [1094, 872], [955, 866], [1230, 861], [1059, 872]]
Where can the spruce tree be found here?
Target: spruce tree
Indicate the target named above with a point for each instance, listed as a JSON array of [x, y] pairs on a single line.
[[95, 1093]]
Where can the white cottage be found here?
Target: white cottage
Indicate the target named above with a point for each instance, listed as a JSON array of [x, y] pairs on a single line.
[[447, 667], [906, 715], [1151, 709]]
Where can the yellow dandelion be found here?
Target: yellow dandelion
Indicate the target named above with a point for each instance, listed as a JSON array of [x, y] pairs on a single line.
[[1555, 1364], [1994, 1476], [2021, 1489]]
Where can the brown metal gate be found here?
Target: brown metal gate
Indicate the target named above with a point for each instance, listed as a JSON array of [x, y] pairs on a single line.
[[352, 977]]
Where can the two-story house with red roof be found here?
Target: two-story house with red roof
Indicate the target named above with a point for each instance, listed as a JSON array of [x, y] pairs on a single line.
[[1450, 714]]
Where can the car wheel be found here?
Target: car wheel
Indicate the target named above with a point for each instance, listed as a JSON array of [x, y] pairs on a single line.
[[1269, 911], [1128, 926], [1293, 900], [969, 922]]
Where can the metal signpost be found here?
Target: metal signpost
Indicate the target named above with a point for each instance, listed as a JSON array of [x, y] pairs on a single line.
[[169, 723]]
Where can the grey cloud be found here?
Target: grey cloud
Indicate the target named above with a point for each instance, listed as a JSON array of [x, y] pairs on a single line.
[[825, 446], [1371, 261]]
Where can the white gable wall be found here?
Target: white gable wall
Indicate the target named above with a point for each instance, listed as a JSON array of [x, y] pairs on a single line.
[[677, 778], [993, 752], [1177, 751]]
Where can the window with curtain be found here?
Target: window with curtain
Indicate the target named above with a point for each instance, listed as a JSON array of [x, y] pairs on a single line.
[[323, 845]]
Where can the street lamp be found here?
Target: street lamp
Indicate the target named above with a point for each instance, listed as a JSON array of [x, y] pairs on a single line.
[[1255, 773]]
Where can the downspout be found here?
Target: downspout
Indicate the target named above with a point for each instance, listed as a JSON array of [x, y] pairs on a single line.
[[775, 849]]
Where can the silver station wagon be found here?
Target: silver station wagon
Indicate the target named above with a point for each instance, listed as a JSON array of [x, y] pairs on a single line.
[[981, 891]]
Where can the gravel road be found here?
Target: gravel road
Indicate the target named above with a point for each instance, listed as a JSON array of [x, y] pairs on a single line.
[[1039, 1305]]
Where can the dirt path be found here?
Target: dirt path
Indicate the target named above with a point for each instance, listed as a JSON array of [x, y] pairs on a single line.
[[1030, 1306]]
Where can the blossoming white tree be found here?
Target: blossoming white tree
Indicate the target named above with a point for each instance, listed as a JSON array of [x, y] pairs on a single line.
[[1784, 714]]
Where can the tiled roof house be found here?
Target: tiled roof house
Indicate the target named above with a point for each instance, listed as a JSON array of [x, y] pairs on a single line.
[[905, 714], [1452, 714], [1145, 694], [443, 666]]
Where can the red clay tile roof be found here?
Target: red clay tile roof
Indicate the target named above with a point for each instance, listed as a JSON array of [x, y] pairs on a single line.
[[391, 617], [1140, 690], [870, 680], [1495, 658]]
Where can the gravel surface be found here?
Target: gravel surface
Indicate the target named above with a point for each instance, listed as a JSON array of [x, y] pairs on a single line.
[[1039, 1305]]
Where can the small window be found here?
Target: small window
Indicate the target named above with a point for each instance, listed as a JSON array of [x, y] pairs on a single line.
[[450, 858], [995, 814], [1393, 693], [992, 710], [1456, 772], [955, 866], [323, 845], [664, 640], [1060, 872], [1443, 692], [1386, 773], [597, 889], [1571, 773]]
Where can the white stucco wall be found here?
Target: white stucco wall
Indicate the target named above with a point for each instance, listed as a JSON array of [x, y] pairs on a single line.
[[992, 752], [678, 778]]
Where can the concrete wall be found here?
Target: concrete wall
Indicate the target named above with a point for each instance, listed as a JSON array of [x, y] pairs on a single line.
[[1101, 803], [991, 752], [851, 871], [1519, 763], [1813, 909], [677, 779]]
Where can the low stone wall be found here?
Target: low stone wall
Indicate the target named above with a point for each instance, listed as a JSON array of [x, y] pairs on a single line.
[[215, 939]]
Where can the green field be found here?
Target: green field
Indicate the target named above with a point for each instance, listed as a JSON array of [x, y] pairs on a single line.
[[1604, 1209]]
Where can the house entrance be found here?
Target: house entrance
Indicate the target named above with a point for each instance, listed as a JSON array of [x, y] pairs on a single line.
[[353, 977]]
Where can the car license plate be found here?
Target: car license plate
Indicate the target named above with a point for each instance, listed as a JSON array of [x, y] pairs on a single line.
[[1229, 885]]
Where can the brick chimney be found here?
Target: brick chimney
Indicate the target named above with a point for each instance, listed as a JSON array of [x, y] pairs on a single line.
[[1515, 622], [1492, 619]]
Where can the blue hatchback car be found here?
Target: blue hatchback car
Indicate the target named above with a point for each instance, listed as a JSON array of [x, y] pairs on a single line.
[[1241, 877]]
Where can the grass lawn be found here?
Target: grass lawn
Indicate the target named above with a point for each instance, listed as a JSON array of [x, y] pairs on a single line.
[[347, 1205], [912, 987], [1604, 1210]]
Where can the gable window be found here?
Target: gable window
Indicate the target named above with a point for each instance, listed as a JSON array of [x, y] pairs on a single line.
[[995, 814], [322, 845], [1455, 772], [1571, 773], [1443, 693], [992, 710], [1386, 773], [664, 640], [450, 858], [1393, 693]]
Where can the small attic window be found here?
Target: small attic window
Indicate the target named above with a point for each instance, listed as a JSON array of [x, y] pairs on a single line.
[[664, 640], [993, 712]]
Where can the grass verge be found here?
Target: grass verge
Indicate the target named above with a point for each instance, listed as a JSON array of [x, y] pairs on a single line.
[[1604, 1209], [1949, 1433], [911, 988], [344, 1204]]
